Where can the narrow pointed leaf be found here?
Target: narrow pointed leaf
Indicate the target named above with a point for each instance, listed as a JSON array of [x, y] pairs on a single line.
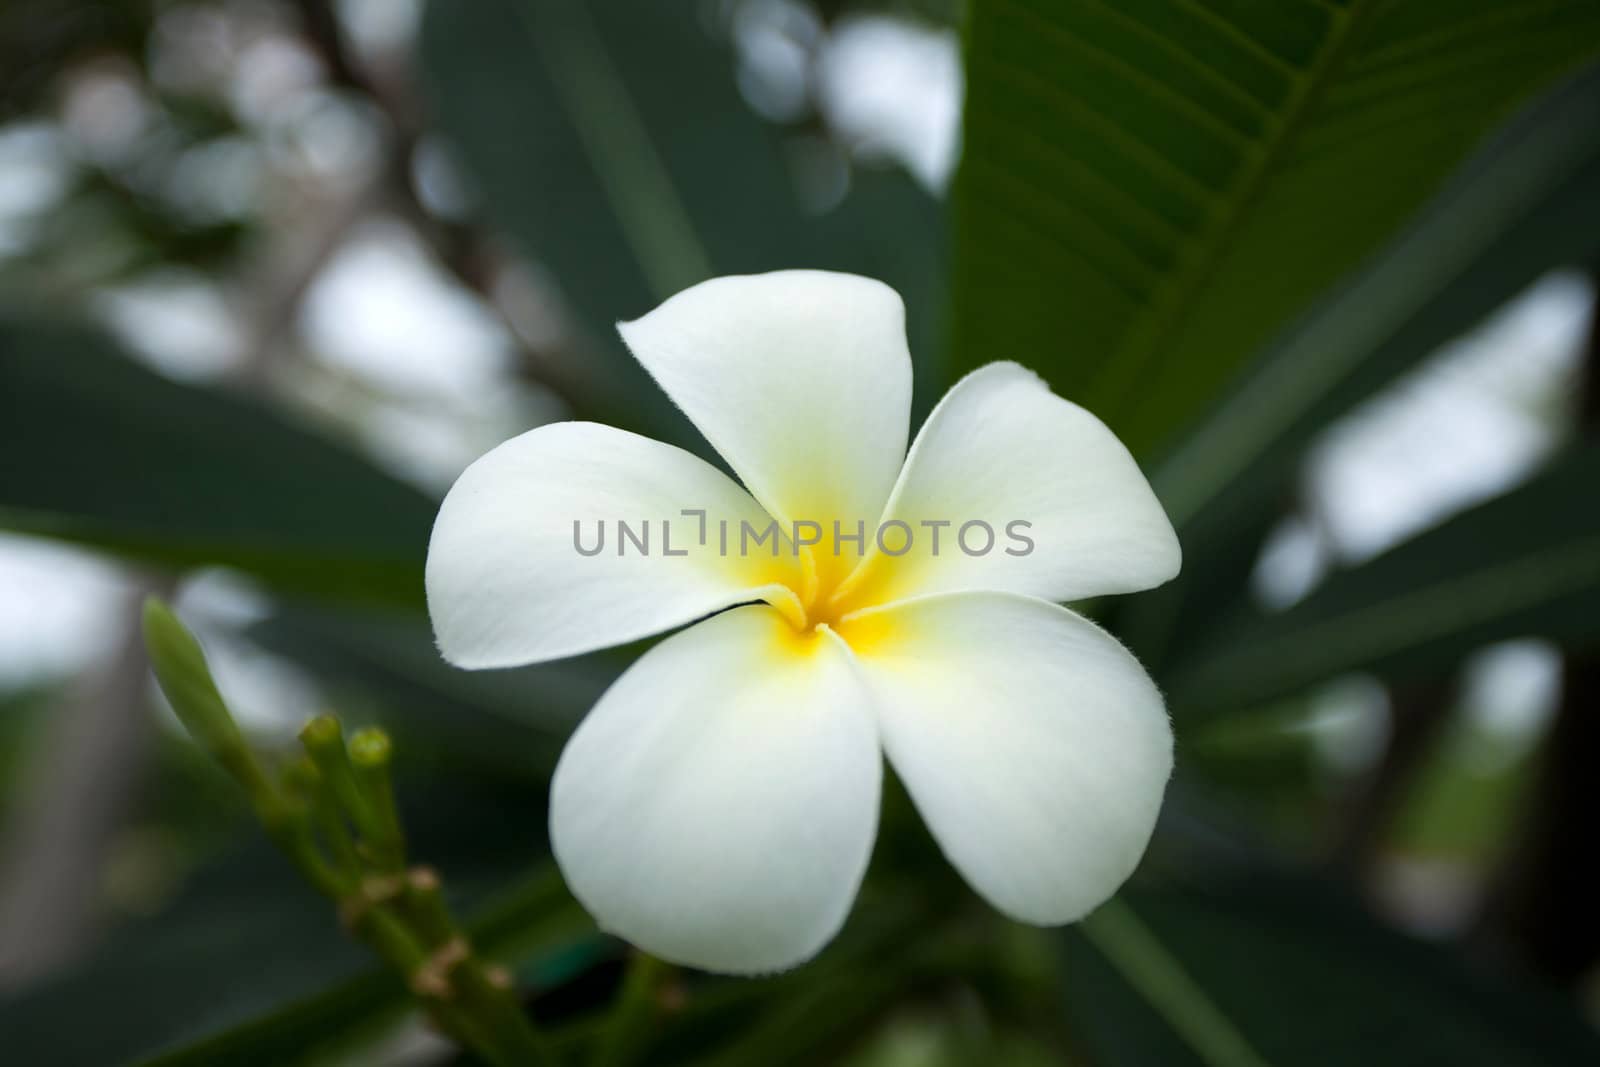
[[1150, 192], [1526, 564], [104, 452], [1261, 970]]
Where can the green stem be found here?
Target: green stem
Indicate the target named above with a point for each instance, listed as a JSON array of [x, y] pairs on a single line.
[[632, 1014], [323, 739], [303, 782], [389, 936], [401, 918], [484, 992], [370, 754], [289, 826], [424, 899]]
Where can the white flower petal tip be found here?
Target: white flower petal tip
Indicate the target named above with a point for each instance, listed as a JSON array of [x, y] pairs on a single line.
[[800, 379], [507, 579], [1001, 449], [723, 826], [1035, 746]]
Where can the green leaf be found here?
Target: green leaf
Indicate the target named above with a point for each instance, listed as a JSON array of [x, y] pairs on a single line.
[[1524, 564], [507, 722], [104, 452], [535, 921], [1260, 970], [243, 935], [309, 1030], [779, 1019], [1523, 204], [247, 940], [609, 141], [1149, 192]]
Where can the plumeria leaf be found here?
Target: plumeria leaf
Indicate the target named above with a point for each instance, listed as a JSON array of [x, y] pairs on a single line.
[[501, 723], [1525, 201], [104, 452], [533, 922], [777, 1020], [176, 975], [245, 944], [1261, 970], [1524, 564], [1522, 203], [1149, 194], [637, 169]]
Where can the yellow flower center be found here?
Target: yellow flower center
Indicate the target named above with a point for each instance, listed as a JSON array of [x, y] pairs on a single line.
[[830, 592]]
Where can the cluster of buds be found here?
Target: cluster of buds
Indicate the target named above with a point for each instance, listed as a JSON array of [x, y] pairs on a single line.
[[331, 810]]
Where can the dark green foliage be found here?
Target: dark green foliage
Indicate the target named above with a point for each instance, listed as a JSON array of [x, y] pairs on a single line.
[[672, 179], [1218, 224], [1527, 562], [1305, 978], [1152, 191], [104, 452]]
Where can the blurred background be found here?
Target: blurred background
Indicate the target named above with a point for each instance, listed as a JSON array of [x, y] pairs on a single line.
[[273, 272]]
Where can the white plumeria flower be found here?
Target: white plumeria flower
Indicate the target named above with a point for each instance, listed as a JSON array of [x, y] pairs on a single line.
[[718, 806]]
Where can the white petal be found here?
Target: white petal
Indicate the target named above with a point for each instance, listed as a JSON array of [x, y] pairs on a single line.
[[506, 581], [1001, 448], [718, 805], [1034, 745], [801, 379]]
